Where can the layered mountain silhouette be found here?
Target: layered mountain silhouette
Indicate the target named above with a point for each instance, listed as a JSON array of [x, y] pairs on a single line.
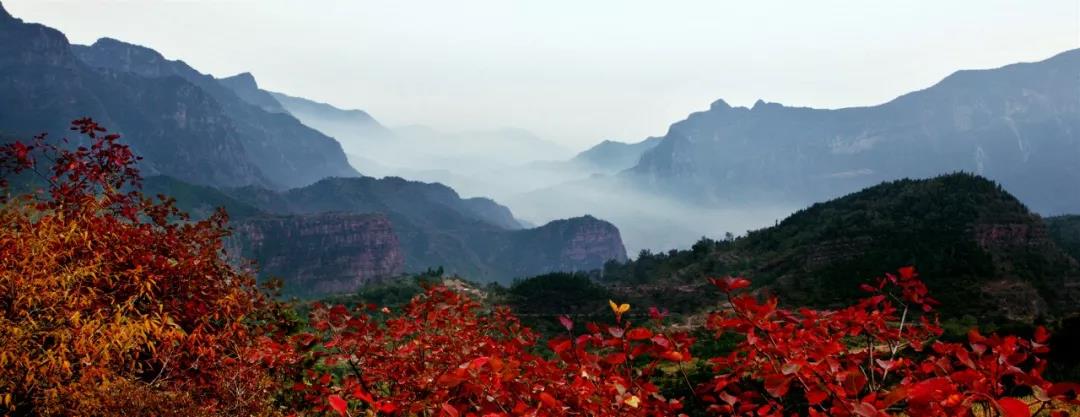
[[287, 152], [299, 209], [422, 226], [177, 127], [1018, 124], [184, 123]]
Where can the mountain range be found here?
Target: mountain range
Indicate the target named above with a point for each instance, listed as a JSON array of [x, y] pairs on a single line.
[[1018, 125], [299, 209], [340, 233]]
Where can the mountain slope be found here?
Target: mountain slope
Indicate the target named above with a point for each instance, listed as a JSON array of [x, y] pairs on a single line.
[[355, 129], [1019, 125], [981, 252], [285, 151], [320, 254], [611, 157], [1065, 230], [473, 237], [178, 128]]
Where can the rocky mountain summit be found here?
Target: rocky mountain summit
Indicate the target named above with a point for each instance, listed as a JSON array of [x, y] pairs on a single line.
[[1017, 125]]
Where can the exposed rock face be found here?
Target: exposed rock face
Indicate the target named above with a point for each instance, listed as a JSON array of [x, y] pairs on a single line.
[[285, 151], [1017, 125], [476, 238], [323, 253], [177, 127], [998, 236], [589, 241], [577, 244]]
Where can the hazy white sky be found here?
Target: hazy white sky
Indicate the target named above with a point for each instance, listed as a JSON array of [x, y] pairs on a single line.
[[576, 71]]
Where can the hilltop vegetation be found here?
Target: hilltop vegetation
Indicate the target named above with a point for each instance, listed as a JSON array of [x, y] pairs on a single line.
[[966, 234], [1065, 230]]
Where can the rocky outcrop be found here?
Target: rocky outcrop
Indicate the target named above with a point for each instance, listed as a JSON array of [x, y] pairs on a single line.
[[476, 238], [999, 236], [285, 151], [577, 244], [318, 254]]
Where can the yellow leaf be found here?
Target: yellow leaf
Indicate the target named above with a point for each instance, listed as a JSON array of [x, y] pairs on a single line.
[[619, 308], [632, 400]]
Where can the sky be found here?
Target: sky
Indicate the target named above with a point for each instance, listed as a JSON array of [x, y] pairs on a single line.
[[580, 71]]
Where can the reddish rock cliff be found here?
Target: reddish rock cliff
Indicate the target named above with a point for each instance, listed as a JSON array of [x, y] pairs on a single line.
[[321, 253]]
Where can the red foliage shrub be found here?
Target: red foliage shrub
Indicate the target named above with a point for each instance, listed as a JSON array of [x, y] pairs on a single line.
[[115, 304], [878, 357]]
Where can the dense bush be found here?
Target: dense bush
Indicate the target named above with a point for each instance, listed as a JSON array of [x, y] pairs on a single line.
[[115, 304]]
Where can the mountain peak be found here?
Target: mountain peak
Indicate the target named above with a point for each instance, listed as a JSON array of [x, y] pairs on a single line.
[[4, 15], [243, 80], [107, 43], [719, 104]]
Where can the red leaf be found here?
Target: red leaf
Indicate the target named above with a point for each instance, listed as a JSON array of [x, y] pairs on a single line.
[[729, 284], [566, 322], [548, 400], [1041, 335], [615, 358], [815, 397], [1012, 407], [560, 346], [638, 333], [865, 410], [777, 385], [339, 405], [450, 410]]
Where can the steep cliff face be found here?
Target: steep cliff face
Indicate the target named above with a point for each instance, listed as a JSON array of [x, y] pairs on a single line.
[[287, 152], [318, 254], [1016, 125], [178, 128], [570, 245], [476, 238]]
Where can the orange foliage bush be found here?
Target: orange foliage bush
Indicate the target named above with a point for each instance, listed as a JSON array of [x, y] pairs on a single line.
[[114, 304]]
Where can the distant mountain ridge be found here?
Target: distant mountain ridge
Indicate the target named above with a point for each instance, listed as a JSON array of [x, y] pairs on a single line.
[[177, 127], [1018, 124], [612, 157], [287, 152], [347, 125], [474, 237]]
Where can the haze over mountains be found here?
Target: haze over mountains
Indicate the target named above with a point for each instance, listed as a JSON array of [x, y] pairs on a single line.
[[1019, 125], [300, 210]]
